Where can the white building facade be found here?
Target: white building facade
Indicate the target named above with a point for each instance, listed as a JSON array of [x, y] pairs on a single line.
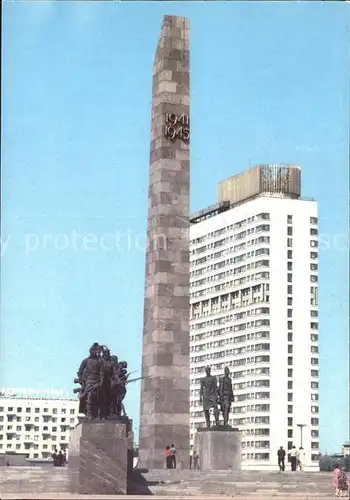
[[36, 426], [254, 308]]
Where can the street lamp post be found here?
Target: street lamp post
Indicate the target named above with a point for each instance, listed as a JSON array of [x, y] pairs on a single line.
[[301, 426]]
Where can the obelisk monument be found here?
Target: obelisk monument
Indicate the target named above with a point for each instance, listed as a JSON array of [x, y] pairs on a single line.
[[165, 418]]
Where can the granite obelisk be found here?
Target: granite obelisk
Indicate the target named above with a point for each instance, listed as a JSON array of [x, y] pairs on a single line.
[[164, 416]]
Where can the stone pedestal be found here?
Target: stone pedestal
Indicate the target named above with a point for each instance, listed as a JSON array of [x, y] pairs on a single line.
[[99, 457], [219, 448]]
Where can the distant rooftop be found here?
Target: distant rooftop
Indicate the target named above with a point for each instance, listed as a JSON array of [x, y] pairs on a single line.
[[36, 394]]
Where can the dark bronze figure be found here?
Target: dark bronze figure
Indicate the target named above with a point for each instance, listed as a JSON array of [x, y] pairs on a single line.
[[103, 383], [226, 397], [90, 375], [120, 387], [209, 396], [108, 371], [113, 386]]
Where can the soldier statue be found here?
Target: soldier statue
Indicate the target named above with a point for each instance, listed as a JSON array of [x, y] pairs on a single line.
[[103, 383], [209, 396], [120, 387], [226, 397], [108, 371], [114, 386], [90, 375]]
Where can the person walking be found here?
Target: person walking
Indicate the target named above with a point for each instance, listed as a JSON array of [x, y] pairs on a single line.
[[54, 456], [173, 455], [301, 459], [336, 476], [195, 460], [168, 458], [191, 456], [293, 458], [60, 459], [281, 454], [343, 483]]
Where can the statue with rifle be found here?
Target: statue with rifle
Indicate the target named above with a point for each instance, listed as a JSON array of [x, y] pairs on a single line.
[[103, 381]]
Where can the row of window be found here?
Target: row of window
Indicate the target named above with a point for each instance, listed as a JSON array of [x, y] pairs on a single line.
[[37, 438], [314, 361], [232, 260], [240, 386], [53, 411], [313, 324], [236, 362], [247, 232], [13, 418], [231, 352], [239, 327], [227, 319], [314, 409], [195, 381], [227, 251], [230, 284], [240, 224], [229, 300], [232, 340], [261, 420], [313, 314], [255, 444], [228, 239], [197, 312], [235, 374], [221, 308], [31, 444], [230, 272], [240, 351], [313, 231], [246, 245], [257, 311], [226, 342], [36, 428], [259, 383], [249, 312], [231, 227], [238, 409]]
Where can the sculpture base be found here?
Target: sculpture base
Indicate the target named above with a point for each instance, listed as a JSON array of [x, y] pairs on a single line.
[[219, 448], [100, 457]]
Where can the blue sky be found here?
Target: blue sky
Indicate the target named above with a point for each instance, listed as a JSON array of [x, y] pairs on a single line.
[[269, 83]]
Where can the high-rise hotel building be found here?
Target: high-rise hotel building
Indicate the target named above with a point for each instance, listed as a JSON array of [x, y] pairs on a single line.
[[254, 308]]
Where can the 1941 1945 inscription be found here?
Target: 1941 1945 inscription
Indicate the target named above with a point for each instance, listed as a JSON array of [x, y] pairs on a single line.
[[177, 127]]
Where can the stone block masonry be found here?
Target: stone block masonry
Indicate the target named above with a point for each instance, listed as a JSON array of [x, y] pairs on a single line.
[[164, 417], [98, 458], [219, 449]]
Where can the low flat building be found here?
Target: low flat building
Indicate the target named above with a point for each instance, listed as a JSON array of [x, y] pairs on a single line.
[[36, 426]]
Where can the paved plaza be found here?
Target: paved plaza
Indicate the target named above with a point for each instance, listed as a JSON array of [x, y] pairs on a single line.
[[30, 483]]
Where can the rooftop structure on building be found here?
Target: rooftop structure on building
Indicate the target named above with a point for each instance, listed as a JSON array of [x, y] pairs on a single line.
[[261, 180], [254, 308]]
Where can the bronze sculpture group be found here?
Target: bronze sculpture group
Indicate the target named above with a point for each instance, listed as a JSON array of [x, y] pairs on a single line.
[[102, 380], [214, 396]]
